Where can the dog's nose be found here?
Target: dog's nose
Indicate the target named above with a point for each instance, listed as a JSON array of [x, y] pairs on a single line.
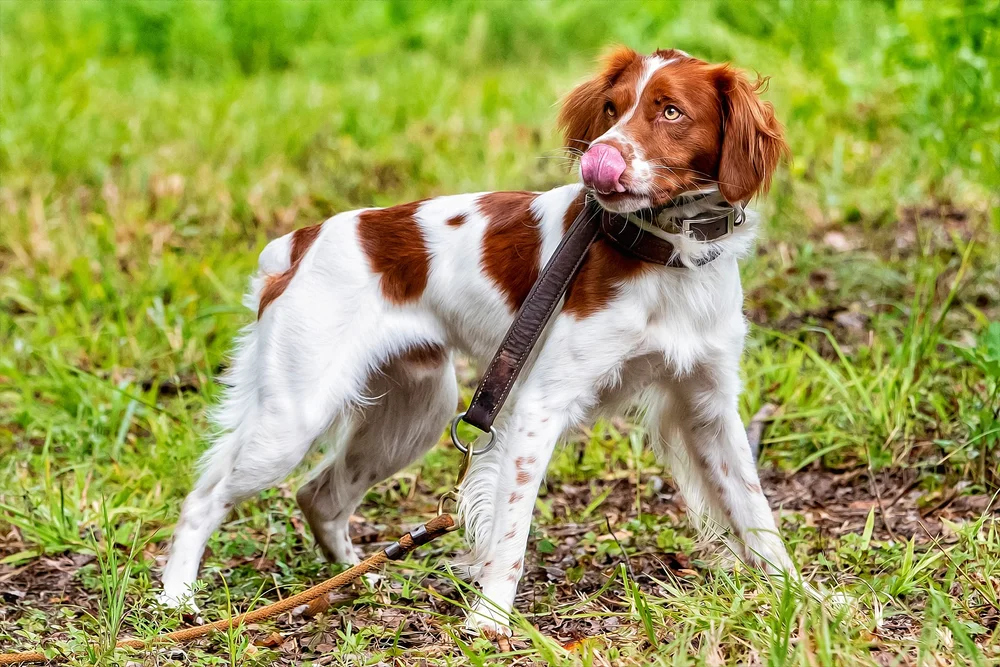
[[601, 167]]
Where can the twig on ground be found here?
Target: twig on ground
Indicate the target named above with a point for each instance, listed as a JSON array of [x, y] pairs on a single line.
[[755, 429], [628, 563], [881, 507]]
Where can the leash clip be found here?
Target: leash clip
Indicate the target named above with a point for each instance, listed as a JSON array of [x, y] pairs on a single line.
[[460, 446], [468, 451]]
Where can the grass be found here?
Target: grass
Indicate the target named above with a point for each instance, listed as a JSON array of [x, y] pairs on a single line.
[[148, 150]]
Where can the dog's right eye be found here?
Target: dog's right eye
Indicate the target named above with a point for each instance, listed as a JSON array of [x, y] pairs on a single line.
[[609, 109]]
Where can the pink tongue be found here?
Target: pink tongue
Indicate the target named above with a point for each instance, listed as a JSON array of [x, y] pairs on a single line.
[[601, 167]]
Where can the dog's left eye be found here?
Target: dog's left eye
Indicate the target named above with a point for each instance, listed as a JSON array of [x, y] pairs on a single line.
[[671, 112]]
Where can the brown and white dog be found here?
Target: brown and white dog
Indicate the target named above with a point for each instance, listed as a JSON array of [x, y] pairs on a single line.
[[358, 319]]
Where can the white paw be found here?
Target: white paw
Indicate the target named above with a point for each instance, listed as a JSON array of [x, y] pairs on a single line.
[[840, 599], [485, 619], [341, 554]]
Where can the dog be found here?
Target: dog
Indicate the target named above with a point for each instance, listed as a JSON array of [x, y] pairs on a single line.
[[358, 319]]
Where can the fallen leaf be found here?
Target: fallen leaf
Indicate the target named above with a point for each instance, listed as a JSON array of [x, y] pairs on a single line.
[[273, 639]]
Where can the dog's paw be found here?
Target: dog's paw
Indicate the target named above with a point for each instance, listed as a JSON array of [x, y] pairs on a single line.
[[486, 620], [840, 600]]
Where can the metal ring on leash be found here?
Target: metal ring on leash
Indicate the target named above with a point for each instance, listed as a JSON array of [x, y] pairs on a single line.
[[455, 440]]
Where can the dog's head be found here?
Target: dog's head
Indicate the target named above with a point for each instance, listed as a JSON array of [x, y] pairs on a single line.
[[648, 128]]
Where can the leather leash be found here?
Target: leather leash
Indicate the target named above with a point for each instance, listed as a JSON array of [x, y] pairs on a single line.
[[623, 233], [531, 319]]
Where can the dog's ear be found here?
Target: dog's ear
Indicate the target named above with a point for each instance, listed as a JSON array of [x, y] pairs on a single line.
[[582, 116], [753, 140]]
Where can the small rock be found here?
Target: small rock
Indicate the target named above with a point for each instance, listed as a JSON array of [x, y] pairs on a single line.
[[838, 241], [851, 320], [655, 484]]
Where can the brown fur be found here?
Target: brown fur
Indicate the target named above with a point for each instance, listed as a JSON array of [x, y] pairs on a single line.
[[424, 355], [753, 141], [512, 243], [601, 274], [456, 220], [302, 240], [582, 116], [396, 249], [726, 134]]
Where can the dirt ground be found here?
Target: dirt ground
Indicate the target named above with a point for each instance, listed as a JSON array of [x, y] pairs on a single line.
[[831, 503]]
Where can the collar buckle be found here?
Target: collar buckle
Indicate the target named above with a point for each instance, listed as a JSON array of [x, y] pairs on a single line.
[[705, 228]]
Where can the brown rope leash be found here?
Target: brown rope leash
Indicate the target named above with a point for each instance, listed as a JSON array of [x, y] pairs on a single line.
[[431, 530]]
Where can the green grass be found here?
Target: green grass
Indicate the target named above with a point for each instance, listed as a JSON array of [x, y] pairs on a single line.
[[148, 150]]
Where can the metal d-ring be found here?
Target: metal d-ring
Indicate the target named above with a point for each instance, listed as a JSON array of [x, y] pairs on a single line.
[[455, 440]]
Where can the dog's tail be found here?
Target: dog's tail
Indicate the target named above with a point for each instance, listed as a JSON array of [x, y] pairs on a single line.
[[274, 260], [277, 265], [235, 416]]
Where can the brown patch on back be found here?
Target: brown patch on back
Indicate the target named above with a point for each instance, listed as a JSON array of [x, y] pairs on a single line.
[[396, 249], [302, 240], [456, 220], [512, 243], [523, 477]]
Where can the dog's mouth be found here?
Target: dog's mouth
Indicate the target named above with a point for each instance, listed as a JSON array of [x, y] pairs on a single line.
[[626, 201]]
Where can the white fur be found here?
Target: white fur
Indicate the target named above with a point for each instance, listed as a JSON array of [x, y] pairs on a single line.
[[322, 360]]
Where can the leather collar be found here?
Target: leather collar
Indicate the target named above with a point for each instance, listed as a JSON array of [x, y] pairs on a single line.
[[637, 235]]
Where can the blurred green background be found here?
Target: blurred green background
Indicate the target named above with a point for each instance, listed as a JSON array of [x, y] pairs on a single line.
[[149, 149], [454, 96]]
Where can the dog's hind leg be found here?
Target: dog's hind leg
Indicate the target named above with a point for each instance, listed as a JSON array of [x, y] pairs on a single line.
[[414, 396], [267, 423]]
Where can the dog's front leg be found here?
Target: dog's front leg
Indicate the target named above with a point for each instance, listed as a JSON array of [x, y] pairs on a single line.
[[499, 497], [527, 441], [714, 465]]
